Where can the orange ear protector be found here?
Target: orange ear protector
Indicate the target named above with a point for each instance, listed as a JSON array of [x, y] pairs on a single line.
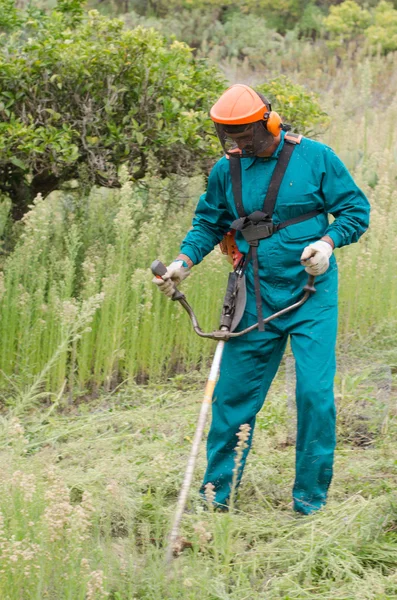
[[272, 119], [273, 122]]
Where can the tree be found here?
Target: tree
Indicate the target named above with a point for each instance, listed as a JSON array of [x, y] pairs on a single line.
[[383, 33], [81, 95], [345, 22]]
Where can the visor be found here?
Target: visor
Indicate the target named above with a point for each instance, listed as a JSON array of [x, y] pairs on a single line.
[[249, 140]]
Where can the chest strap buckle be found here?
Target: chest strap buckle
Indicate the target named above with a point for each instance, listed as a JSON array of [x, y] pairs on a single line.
[[256, 226]]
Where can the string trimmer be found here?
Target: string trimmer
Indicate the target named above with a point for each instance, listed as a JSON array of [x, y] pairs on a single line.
[[232, 311]]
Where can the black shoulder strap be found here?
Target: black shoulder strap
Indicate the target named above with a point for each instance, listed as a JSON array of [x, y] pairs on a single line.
[[277, 177], [235, 174], [274, 185]]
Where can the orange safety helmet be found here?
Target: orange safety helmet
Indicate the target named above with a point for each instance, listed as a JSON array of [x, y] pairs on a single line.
[[241, 105], [244, 122]]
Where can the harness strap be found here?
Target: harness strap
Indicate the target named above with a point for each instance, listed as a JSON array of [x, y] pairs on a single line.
[[277, 177], [235, 174], [258, 296], [298, 219]]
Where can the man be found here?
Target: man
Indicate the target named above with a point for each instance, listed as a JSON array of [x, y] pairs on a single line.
[[311, 183]]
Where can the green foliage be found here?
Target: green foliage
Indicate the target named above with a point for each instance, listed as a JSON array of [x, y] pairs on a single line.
[[346, 21], [281, 15], [96, 96], [310, 24], [349, 21], [383, 33], [195, 28], [72, 9], [237, 36], [162, 8], [248, 36], [299, 108], [9, 16]]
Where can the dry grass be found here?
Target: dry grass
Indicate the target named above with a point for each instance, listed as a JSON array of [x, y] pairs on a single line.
[[87, 496]]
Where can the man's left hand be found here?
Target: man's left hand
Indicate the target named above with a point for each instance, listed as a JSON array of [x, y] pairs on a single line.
[[315, 257]]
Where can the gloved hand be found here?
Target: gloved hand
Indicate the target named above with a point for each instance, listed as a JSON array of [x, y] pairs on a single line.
[[176, 272], [315, 257]]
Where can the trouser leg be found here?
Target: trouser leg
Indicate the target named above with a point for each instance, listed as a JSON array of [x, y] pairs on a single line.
[[248, 367], [313, 344]]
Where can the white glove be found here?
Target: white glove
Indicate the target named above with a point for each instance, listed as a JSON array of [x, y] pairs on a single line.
[[315, 257], [176, 273]]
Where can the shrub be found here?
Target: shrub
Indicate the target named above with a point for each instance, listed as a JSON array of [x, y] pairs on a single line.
[[299, 108], [82, 96], [282, 15], [248, 36], [196, 28], [346, 21], [9, 17], [383, 33]]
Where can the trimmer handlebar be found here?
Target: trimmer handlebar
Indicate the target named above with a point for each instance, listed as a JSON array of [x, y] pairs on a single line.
[[159, 270]]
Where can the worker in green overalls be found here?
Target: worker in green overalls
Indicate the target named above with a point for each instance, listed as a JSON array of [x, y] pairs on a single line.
[[315, 183]]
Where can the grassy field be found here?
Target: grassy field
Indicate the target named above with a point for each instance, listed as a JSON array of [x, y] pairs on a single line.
[[101, 380], [87, 494], [82, 309]]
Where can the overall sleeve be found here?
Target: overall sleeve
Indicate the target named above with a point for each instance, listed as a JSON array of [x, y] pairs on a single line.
[[345, 201], [211, 220]]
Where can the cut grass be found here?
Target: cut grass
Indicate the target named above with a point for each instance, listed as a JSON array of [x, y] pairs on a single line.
[[115, 469]]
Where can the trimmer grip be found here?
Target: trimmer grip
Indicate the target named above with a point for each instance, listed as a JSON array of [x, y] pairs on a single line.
[[158, 268]]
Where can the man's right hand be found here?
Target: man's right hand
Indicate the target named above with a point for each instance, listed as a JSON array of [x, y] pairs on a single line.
[[176, 272]]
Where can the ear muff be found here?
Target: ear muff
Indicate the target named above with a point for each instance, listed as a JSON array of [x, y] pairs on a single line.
[[273, 122]]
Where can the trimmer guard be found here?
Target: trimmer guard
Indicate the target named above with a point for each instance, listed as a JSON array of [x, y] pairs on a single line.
[[234, 302], [240, 303]]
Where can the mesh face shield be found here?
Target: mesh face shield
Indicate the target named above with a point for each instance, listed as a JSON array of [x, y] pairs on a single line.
[[251, 139]]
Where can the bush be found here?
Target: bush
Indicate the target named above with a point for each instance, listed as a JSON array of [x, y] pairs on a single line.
[[248, 36], [383, 33], [349, 21], [9, 18], [346, 21], [82, 96], [282, 15], [195, 28], [299, 108]]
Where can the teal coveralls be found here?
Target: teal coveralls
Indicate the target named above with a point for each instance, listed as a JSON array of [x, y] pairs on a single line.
[[315, 179]]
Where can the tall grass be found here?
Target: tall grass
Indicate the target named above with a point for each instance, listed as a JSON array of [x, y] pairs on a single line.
[[77, 305], [77, 298]]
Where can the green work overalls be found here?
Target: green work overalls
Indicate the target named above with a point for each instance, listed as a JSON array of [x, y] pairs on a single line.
[[315, 180]]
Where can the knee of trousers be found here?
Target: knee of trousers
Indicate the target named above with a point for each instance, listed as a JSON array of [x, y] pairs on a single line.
[[224, 428], [316, 419], [316, 395], [236, 402]]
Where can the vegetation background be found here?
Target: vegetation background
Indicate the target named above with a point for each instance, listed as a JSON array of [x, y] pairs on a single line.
[[105, 145]]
